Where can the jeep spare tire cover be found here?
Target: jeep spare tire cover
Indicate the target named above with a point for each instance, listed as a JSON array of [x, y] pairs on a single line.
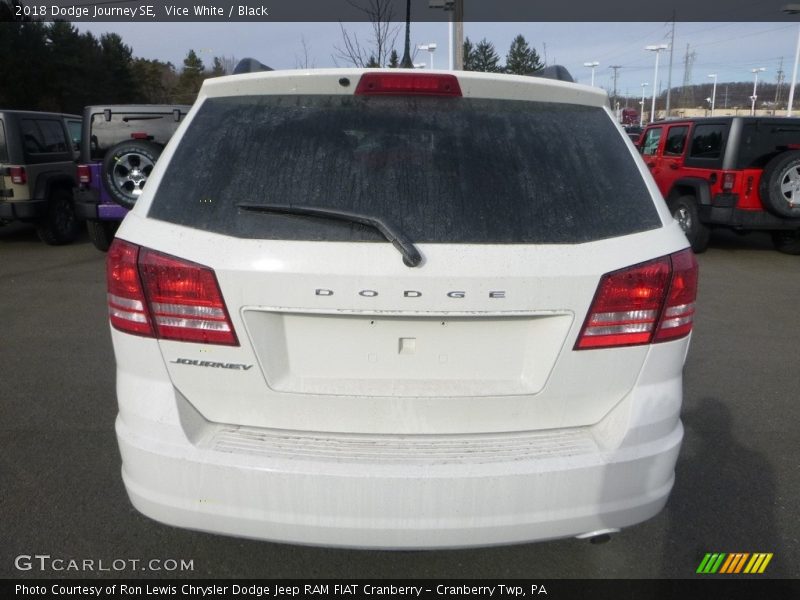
[[127, 167], [780, 185]]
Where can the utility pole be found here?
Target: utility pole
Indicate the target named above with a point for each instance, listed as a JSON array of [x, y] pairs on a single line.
[[669, 72], [780, 79], [616, 68]]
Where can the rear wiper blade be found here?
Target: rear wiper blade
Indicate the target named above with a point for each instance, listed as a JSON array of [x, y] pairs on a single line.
[[411, 256]]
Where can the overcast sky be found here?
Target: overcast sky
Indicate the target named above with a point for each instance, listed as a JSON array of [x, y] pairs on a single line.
[[731, 50]]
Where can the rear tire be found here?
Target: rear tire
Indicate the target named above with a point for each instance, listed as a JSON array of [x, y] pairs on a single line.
[[780, 185], [126, 168], [684, 211], [787, 242], [102, 233], [59, 224]]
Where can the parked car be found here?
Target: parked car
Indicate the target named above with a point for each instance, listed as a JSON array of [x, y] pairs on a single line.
[[121, 146], [38, 161], [402, 310], [741, 173]]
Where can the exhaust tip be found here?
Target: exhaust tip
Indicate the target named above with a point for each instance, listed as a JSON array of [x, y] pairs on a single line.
[[601, 536]]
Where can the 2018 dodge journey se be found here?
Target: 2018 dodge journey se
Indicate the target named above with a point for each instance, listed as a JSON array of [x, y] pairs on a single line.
[[384, 308]]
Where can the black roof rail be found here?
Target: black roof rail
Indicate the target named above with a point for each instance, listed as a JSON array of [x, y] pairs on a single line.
[[250, 65]]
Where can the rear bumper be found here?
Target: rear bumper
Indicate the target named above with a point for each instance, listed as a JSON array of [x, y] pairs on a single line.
[[23, 210], [730, 216], [90, 205], [401, 491]]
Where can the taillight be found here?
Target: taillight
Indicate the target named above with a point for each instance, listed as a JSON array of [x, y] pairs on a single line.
[[728, 182], [645, 303], [678, 315], [408, 84], [166, 297], [127, 307], [18, 175], [84, 174]]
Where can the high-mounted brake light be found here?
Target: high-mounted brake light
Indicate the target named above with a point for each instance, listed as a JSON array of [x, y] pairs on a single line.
[[157, 295], [140, 135], [84, 174], [18, 175], [642, 304], [408, 84]]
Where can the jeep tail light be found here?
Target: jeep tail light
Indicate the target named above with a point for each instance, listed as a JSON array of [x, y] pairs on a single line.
[[18, 175], [728, 182], [642, 304], [179, 300], [84, 174], [408, 84]]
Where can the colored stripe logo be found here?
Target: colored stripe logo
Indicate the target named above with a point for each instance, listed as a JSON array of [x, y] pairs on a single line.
[[733, 563]]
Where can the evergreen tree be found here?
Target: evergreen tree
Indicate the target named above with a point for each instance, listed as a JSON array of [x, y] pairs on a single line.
[[485, 58], [469, 56], [394, 60], [372, 63], [116, 60], [191, 78], [522, 59], [218, 70]]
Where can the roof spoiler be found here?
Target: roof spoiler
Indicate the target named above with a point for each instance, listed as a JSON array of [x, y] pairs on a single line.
[[554, 72], [250, 65]]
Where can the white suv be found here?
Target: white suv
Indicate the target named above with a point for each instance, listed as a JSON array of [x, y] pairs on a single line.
[[507, 369]]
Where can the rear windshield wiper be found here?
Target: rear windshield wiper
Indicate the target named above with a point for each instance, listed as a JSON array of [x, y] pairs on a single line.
[[411, 256]]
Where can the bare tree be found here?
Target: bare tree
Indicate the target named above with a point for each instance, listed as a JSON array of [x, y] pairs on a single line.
[[384, 34], [302, 62]]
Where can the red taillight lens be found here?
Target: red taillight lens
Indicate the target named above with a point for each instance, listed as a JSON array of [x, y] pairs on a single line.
[[84, 174], [678, 316], [176, 299], [19, 176], [408, 84], [650, 302], [127, 307], [728, 181]]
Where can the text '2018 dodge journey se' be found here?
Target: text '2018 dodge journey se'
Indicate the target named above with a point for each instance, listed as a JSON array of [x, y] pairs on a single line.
[[403, 310]]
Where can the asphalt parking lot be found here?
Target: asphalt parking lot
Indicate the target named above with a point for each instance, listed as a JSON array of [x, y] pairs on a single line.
[[738, 476]]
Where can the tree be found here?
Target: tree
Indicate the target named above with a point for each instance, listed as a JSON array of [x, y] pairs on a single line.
[[483, 58], [379, 14], [394, 59], [522, 59], [218, 70], [190, 79], [116, 61], [469, 55]]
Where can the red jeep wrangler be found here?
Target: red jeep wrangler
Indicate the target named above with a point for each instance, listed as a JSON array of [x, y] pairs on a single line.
[[736, 172]]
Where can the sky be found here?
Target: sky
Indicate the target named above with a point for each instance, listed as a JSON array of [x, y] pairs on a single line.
[[731, 50]]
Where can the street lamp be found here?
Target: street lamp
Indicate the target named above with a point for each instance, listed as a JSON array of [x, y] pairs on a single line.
[[755, 72], [793, 9], [657, 48], [430, 48], [713, 93], [592, 66], [641, 108]]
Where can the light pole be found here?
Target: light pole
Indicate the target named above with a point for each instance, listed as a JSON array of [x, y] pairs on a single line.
[[592, 66], [641, 108], [430, 48], [657, 48], [455, 30], [755, 85], [793, 9], [713, 93]]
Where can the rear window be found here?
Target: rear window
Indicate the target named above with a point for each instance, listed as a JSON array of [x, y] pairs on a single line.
[[761, 140], [126, 126], [43, 136], [452, 170]]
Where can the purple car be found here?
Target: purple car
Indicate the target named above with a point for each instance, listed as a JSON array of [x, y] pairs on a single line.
[[118, 151]]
